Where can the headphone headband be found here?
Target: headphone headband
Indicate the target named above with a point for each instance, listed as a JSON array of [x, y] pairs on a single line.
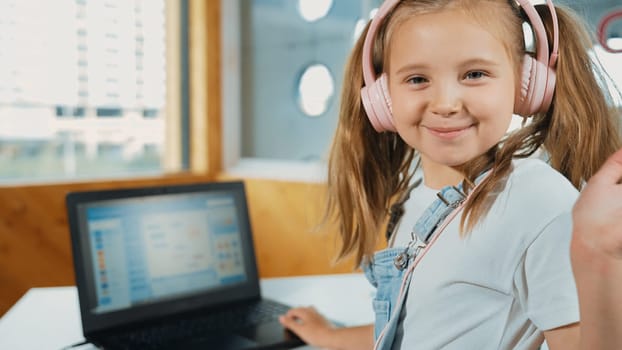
[[542, 47], [368, 51]]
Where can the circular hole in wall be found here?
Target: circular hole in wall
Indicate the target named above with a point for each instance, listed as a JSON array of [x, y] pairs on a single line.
[[615, 43], [313, 10], [316, 88]]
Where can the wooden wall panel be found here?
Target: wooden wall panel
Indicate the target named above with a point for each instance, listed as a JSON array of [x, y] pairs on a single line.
[[285, 217], [35, 249], [205, 86]]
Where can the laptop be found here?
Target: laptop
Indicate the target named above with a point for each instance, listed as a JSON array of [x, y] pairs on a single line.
[[171, 267]]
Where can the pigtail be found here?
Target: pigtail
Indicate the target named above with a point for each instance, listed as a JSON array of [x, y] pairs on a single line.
[[581, 129], [364, 169]]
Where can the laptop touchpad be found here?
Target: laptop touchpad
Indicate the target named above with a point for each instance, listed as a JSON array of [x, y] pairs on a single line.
[[271, 333], [217, 341]]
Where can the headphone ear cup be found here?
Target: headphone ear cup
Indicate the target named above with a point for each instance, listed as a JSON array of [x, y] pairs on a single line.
[[377, 104], [522, 103], [536, 89]]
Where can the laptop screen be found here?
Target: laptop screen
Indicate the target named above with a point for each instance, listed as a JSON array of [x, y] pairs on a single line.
[[158, 247], [145, 252]]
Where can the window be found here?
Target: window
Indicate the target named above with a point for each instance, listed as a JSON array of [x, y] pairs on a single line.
[[83, 88]]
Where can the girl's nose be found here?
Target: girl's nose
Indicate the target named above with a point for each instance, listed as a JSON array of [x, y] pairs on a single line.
[[445, 101]]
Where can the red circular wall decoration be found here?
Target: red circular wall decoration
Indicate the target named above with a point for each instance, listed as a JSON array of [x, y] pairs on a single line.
[[602, 29]]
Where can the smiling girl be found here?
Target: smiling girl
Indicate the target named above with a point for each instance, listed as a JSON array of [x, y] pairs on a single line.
[[486, 266]]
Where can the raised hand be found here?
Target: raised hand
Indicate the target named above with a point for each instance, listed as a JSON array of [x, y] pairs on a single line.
[[597, 214], [596, 253]]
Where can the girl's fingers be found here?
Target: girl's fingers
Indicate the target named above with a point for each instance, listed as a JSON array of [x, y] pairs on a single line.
[[611, 172]]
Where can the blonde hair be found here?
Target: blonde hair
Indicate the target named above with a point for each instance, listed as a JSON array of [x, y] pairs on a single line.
[[368, 170]]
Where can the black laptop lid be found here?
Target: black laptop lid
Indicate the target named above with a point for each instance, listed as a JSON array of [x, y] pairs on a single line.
[[145, 253]]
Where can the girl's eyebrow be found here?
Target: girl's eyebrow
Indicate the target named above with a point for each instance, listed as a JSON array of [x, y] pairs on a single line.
[[411, 66], [479, 61], [466, 63]]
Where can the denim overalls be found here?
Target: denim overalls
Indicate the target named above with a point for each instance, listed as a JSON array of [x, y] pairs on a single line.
[[384, 274]]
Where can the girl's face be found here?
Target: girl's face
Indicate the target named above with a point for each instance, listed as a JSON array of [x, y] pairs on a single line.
[[452, 86]]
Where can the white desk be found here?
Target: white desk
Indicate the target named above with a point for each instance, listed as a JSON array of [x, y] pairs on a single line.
[[49, 318]]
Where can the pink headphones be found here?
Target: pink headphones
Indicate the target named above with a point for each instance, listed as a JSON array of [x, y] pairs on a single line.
[[538, 77]]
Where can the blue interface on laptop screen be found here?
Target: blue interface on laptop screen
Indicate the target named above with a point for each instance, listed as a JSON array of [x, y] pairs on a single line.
[[153, 248]]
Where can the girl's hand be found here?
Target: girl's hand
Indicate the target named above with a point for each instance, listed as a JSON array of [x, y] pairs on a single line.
[[597, 214], [596, 253], [309, 325]]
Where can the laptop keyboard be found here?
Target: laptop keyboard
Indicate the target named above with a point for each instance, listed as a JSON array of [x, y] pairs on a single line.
[[236, 318]]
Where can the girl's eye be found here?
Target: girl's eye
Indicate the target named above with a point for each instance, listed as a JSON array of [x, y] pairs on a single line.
[[475, 75], [417, 80]]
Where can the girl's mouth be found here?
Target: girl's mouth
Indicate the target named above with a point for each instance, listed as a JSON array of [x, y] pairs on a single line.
[[449, 133]]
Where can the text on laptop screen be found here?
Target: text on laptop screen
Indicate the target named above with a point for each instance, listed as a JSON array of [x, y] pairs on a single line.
[[153, 248]]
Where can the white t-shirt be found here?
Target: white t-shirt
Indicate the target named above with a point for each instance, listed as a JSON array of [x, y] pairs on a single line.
[[504, 283], [420, 198]]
